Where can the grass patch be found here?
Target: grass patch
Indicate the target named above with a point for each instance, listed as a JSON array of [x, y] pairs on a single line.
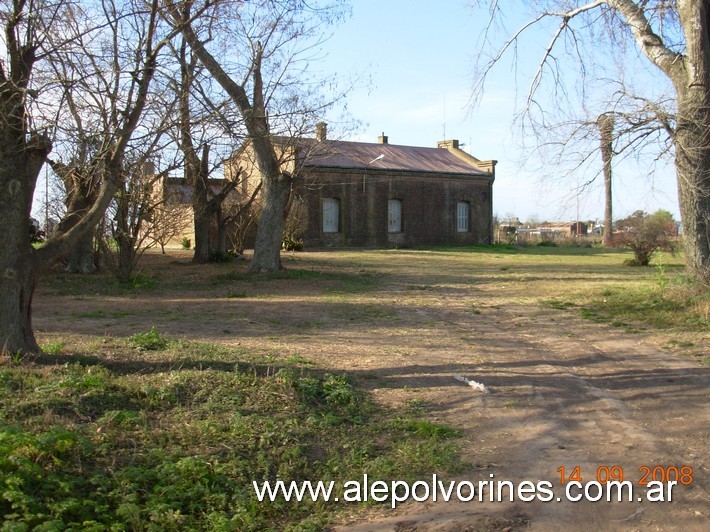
[[677, 307], [557, 304], [102, 284], [85, 447], [337, 282], [53, 348], [426, 428]]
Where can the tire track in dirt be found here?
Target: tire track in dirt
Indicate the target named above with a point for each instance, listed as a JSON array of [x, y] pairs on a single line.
[[565, 392]]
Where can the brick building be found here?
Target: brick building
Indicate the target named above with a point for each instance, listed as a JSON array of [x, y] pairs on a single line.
[[382, 194]]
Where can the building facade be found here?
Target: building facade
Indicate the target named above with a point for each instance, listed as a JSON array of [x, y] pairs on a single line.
[[385, 195]]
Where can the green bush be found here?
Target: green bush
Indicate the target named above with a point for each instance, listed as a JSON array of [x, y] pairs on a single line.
[[644, 234]]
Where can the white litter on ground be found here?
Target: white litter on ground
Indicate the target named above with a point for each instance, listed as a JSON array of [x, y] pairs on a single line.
[[473, 384]]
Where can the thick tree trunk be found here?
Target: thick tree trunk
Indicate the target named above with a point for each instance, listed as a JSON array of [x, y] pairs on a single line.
[[203, 249], [201, 206], [269, 235], [82, 257], [82, 187], [692, 144], [692, 135], [19, 278], [19, 271]]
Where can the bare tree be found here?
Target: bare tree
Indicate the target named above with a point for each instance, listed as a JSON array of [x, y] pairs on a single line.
[[34, 31], [197, 132], [82, 182], [265, 89], [675, 37]]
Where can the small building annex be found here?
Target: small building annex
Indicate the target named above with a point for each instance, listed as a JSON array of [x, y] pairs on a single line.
[[382, 194]]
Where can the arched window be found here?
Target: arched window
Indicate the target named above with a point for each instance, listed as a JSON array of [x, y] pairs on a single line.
[[462, 217], [331, 215], [394, 216]]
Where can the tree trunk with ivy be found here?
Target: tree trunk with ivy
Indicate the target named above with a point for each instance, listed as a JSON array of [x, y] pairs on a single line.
[[606, 134]]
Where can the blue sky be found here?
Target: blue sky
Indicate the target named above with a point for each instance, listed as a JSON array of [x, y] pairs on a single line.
[[416, 59]]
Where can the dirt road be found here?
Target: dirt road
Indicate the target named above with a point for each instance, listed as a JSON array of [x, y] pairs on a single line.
[[563, 393]]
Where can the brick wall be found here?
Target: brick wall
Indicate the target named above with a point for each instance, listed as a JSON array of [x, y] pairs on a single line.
[[428, 201]]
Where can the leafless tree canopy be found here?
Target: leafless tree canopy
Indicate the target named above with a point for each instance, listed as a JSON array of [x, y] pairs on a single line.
[[585, 68]]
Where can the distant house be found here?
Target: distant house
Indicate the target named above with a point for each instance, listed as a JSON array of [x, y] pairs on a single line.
[[548, 231], [382, 194], [175, 216]]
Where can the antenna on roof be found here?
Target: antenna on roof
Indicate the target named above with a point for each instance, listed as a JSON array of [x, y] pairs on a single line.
[[444, 124]]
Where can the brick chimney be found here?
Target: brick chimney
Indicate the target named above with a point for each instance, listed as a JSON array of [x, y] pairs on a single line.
[[382, 139], [321, 131], [447, 144]]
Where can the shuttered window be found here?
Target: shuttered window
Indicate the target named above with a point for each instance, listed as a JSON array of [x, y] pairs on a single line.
[[462, 217], [394, 216], [331, 215]]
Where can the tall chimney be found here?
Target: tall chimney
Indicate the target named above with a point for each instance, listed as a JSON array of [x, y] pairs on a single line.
[[321, 131], [382, 139]]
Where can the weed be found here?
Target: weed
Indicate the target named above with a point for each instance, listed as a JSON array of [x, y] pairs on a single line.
[[90, 314], [53, 348], [298, 359], [149, 341], [676, 307], [369, 376], [662, 279]]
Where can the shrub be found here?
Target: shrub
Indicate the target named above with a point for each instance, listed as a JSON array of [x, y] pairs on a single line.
[[644, 234], [224, 256], [290, 244], [186, 243], [37, 236]]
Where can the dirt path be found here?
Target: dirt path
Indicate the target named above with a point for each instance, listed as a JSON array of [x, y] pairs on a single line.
[[564, 392]]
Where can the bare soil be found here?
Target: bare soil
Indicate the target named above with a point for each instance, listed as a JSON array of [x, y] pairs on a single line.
[[564, 391]]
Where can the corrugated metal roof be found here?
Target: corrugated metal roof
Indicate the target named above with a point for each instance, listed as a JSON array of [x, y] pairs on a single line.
[[378, 156]]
